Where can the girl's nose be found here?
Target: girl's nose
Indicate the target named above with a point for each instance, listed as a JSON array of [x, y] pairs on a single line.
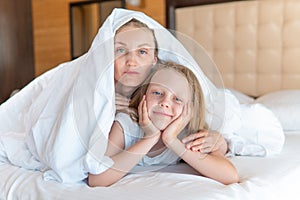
[[164, 102]]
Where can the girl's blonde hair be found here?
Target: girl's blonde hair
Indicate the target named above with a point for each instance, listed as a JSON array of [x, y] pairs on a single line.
[[138, 24], [197, 121]]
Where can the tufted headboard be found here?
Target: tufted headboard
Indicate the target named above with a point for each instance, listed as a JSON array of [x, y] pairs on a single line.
[[255, 44]]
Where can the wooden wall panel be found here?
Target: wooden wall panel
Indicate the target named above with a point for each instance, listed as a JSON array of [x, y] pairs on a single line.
[[51, 30], [152, 8], [16, 46], [51, 22]]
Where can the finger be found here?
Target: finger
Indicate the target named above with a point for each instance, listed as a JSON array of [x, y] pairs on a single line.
[[201, 148], [194, 136], [145, 111], [119, 107], [205, 132], [205, 145], [195, 148], [140, 110], [186, 113], [121, 98], [197, 142], [206, 149], [122, 103]]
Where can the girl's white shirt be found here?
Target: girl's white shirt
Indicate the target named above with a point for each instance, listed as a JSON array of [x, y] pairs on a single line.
[[133, 133]]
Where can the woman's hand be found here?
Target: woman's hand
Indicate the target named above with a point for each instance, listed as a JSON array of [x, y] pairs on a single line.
[[122, 102], [144, 121], [173, 129], [206, 141]]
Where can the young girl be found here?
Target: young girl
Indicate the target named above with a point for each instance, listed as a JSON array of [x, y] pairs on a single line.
[[170, 105]]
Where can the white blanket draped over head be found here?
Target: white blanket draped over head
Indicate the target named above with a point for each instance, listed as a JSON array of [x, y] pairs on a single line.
[[59, 123]]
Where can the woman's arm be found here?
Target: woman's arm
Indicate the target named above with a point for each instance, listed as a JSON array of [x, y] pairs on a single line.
[[124, 160]]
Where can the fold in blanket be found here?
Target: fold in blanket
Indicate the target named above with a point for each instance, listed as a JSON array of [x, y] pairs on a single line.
[[65, 114]]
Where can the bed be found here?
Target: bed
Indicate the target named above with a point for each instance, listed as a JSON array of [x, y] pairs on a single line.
[[272, 79]]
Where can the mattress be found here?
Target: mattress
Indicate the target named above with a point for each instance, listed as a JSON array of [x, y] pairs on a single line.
[[275, 177]]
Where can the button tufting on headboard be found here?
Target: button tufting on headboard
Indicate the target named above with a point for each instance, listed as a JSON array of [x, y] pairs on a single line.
[[255, 44]]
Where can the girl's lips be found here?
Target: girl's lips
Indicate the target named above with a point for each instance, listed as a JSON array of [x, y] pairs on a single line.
[[162, 113]]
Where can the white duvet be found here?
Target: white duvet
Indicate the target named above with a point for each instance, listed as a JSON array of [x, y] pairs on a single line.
[[262, 178], [59, 123]]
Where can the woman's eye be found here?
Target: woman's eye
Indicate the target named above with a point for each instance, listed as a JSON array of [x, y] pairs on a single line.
[[143, 52], [120, 50]]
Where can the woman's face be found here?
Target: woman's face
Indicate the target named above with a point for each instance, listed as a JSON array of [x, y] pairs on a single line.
[[167, 94], [134, 55]]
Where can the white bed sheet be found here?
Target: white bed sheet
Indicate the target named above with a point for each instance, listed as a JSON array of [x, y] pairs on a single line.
[[276, 177]]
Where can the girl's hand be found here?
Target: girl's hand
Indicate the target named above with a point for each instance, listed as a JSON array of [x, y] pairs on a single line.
[[145, 123], [205, 141], [173, 129], [122, 102]]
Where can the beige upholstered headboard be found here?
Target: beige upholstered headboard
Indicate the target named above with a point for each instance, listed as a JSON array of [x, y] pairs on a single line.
[[255, 44]]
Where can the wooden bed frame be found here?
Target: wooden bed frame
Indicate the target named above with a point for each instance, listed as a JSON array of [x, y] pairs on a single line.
[[256, 51]]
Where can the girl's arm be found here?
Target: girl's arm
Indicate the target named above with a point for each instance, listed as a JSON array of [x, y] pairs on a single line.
[[124, 160], [214, 165]]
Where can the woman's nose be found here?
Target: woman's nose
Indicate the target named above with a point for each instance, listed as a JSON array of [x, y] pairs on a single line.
[[131, 58]]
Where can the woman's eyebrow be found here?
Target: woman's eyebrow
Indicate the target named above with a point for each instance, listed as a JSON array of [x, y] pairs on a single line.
[[140, 45], [145, 44], [121, 43]]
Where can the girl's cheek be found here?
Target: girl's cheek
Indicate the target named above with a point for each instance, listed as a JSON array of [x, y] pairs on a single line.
[[179, 110]]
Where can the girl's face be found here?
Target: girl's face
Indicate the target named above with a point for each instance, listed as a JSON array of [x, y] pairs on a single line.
[[167, 94], [134, 55]]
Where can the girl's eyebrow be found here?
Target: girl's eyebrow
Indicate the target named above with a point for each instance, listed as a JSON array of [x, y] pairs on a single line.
[[180, 96]]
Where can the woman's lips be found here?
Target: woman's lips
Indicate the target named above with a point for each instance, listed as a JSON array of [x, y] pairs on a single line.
[[131, 72]]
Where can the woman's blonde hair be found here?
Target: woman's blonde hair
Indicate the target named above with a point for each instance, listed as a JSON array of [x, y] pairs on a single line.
[[197, 121]]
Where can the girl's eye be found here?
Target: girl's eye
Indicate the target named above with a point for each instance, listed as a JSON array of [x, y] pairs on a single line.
[[178, 100], [156, 93]]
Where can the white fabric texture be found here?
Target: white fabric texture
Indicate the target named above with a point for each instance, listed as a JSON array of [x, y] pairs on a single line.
[[66, 113], [133, 133], [261, 133], [242, 98], [274, 178], [285, 104]]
